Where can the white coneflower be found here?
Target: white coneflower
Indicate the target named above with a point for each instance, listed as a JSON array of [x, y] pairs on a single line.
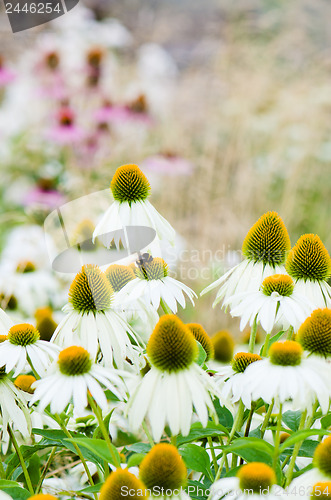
[[153, 284], [252, 480], [264, 250], [91, 322], [13, 406], [318, 478], [277, 303], [315, 333], [130, 190], [309, 264], [74, 374], [287, 376], [174, 384], [23, 345], [5, 322], [231, 378], [140, 315], [163, 472], [122, 483]]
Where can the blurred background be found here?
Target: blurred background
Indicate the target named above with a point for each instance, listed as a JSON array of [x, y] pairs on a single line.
[[226, 107]]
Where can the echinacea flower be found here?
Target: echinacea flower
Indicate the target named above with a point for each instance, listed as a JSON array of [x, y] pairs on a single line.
[[277, 303], [309, 264], [65, 131], [23, 345], [254, 479], [223, 344], [264, 250], [6, 75], [167, 164], [5, 322], [200, 334], [286, 376], [138, 313], [74, 374], [42, 496], [231, 378], [163, 472], [91, 322], [174, 384], [13, 406], [130, 190], [153, 284], [120, 484], [315, 333], [318, 477]]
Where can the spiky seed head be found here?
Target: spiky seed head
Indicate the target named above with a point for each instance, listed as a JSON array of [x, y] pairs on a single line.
[[90, 291], [223, 346], [315, 333], [171, 347], [309, 259], [288, 353], [129, 184], [118, 276], [202, 336], [267, 241]]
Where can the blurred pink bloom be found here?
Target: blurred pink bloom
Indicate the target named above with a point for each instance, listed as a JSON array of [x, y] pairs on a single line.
[[167, 164], [65, 131], [6, 75], [136, 111], [48, 198]]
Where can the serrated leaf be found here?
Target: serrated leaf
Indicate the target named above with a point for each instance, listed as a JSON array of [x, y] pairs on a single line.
[[196, 458]]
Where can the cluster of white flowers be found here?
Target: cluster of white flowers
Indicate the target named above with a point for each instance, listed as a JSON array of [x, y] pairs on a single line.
[[156, 377]]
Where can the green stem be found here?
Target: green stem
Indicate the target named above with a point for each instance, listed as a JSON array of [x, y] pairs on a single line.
[[297, 446], [290, 333], [266, 419], [2, 470], [79, 453], [286, 461], [21, 459], [173, 440], [44, 472], [236, 425], [97, 412], [266, 345], [165, 307], [311, 419], [252, 336], [212, 451], [32, 368], [248, 424], [148, 434], [277, 437]]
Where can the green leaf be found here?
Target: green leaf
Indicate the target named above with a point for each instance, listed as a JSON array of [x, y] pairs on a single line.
[[98, 447], [196, 458], [198, 432], [14, 490], [136, 459], [301, 436], [91, 489], [273, 339], [34, 469], [195, 487], [292, 419], [139, 448], [252, 450], [307, 449], [202, 354], [224, 415], [326, 421]]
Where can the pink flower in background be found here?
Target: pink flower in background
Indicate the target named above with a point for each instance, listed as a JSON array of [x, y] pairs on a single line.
[[44, 194], [111, 113], [167, 164], [135, 111], [65, 131], [6, 75], [52, 81]]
